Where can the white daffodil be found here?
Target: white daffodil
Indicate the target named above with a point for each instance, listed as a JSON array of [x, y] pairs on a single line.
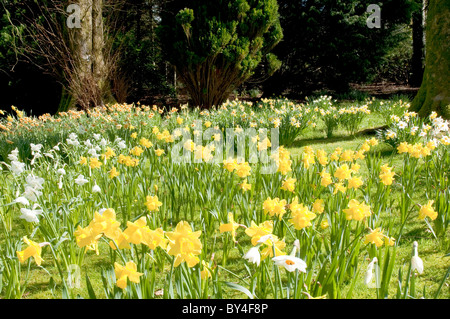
[[253, 255], [22, 200], [290, 263], [30, 215], [36, 147], [14, 155], [31, 193], [17, 167], [122, 144], [61, 171], [93, 152], [80, 180], [96, 189], [369, 273], [35, 182], [103, 142], [73, 136], [88, 143], [97, 136], [416, 261], [402, 125]]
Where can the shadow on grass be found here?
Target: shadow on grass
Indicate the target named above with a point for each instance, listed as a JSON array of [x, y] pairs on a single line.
[[344, 138]]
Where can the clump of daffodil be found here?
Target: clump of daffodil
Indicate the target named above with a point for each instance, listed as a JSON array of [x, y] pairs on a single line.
[[153, 203], [184, 244], [289, 184], [386, 175], [257, 231], [275, 207], [33, 250], [127, 272], [357, 211], [231, 226], [301, 215], [243, 169], [343, 172], [245, 186], [427, 210], [94, 163], [325, 178]]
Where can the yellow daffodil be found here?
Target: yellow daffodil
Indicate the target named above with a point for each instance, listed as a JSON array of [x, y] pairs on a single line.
[[289, 184], [274, 207], [355, 182], [325, 178], [245, 186], [129, 271], [375, 237], [33, 250], [428, 210], [357, 211], [257, 231], [343, 172], [318, 206], [113, 173], [230, 227], [136, 232], [301, 215], [243, 170], [94, 163], [184, 244], [153, 203]]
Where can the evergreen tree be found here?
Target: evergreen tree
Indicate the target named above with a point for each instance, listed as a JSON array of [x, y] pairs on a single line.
[[215, 46]]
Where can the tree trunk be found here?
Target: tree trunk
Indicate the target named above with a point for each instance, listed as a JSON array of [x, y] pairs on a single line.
[[84, 40], [434, 93]]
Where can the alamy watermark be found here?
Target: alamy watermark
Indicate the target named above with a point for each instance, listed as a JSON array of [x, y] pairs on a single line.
[[73, 276], [74, 18], [374, 20], [236, 143]]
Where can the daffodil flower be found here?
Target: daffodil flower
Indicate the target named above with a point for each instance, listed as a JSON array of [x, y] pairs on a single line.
[[416, 261], [129, 271], [253, 255], [290, 263], [33, 250]]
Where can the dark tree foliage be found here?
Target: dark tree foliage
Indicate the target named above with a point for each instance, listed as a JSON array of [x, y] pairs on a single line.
[[22, 83], [148, 76], [327, 43]]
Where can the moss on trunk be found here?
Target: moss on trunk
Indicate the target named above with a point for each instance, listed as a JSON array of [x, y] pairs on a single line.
[[434, 93]]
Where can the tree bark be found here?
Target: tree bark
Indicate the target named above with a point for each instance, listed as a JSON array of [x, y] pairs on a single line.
[[84, 40], [434, 93]]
